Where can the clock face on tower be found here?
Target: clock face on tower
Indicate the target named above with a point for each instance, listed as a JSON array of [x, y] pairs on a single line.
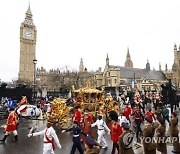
[[28, 34]]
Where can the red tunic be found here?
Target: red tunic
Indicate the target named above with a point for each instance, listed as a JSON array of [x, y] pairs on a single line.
[[116, 131], [149, 95], [150, 115], [136, 109], [42, 104], [127, 112], [137, 114], [11, 122], [77, 115], [88, 120]]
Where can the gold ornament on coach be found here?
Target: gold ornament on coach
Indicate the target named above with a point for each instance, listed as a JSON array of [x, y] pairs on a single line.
[[60, 113]]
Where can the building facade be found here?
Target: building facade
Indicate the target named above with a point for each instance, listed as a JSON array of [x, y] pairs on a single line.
[[128, 77], [55, 80]]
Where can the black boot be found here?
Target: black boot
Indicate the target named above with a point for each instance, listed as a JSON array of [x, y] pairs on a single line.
[[173, 151], [16, 138], [4, 138]]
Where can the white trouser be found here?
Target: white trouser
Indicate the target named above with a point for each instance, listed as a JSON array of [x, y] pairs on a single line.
[[48, 149], [14, 132], [101, 140]]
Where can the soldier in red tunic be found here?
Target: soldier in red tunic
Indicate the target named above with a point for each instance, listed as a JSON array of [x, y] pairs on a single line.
[[87, 121], [138, 119], [150, 114], [23, 101], [42, 104], [11, 125], [116, 131], [127, 111], [77, 114]]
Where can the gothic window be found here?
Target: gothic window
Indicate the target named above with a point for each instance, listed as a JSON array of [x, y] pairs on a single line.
[[114, 80]]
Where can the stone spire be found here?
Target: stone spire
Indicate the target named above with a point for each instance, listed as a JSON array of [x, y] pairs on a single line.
[[28, 18], [166, 68], [175, 47], [159, 66], [148, 65], [128, 54], [107, 60], [128, 62], [81, 66], [29, 10]]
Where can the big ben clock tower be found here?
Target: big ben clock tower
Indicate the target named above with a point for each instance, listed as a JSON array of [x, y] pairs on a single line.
[[27, 48]]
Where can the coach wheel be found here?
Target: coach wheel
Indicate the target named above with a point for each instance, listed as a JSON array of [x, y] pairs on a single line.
[[65, 122]]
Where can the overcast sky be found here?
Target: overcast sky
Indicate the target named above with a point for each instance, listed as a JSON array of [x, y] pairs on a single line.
[[70, 29]]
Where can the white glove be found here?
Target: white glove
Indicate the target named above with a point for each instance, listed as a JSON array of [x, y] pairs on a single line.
[[29, 135], [59, 146], [63, 131]]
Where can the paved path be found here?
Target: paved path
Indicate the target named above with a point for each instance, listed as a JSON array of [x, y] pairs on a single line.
[[34, 145]]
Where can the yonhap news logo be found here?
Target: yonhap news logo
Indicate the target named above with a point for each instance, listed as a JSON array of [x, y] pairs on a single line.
[[128, 140], [159, 139]]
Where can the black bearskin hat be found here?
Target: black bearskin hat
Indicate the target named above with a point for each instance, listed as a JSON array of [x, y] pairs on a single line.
[[113, 115]]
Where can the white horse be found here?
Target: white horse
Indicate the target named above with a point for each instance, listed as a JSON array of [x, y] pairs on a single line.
[[29, 111]]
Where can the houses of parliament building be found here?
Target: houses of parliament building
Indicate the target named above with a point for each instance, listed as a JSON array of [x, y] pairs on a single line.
[[112, 76]]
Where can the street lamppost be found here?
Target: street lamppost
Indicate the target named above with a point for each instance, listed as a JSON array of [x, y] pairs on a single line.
[[133, 84], [34, 81]]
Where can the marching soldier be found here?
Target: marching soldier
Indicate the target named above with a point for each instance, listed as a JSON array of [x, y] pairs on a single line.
[[122, 119], [11, 125], [77, 114], [102, 127], [49, 138], [127, 111], [22, 105], [150, 114], [116, 131], [138, 119], [23, 100], [161, 138], [87, 120], [158, 113], [126, 140], [91, 146], [165, 113], [174, 132], [148, 134], [76, 137]]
